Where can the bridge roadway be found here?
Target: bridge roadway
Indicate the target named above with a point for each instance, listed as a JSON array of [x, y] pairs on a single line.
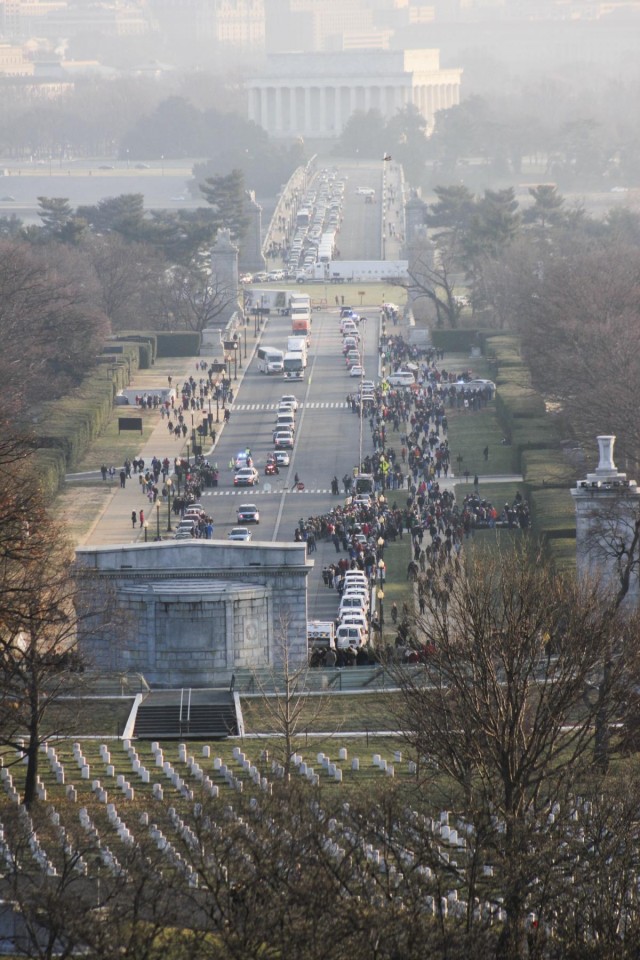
[[326, 442]]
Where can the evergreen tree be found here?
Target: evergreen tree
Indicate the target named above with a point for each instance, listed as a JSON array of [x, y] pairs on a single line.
[[226, 194]]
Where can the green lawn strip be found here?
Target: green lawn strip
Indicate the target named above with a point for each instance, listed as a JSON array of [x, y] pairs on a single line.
[[495, 493], [339, 713], [87, 717], [469, 433], [553, 511], [79, 507], [373, 294], [112, 449], [396, 588]]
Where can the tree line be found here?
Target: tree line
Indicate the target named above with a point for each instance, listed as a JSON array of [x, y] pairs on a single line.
[[565, 281]]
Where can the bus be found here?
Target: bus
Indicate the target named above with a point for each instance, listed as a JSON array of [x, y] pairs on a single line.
[[270, 360], [303, 217]]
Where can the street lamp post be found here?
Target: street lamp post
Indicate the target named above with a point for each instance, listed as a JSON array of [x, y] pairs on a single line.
[[158, 520], [245, 339], [381, 566], [235, 361], [217, 403], [380, 596], [237, 347], [169, 485], [187, 453], [146, 528]]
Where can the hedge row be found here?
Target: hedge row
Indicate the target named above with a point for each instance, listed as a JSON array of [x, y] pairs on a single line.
[[65, 428], [148, 345], [455, 341], [181, 344], [536, 450]]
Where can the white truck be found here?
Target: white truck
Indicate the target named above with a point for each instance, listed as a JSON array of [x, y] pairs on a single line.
[[300, 312], [321, 634], [293, 366], [355, 270], [298, 344]]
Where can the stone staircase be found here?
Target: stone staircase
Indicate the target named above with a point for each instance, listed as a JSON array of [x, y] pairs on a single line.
[[187, 714]]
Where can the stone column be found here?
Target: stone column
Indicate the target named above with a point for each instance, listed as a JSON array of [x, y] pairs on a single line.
[[607, 509], [278, 109], [307, 111]]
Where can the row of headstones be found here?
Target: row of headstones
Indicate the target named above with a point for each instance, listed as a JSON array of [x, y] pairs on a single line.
[[30, 834], [79, 863], [256, 777], [108, 858], [176, 859], [7, 782]]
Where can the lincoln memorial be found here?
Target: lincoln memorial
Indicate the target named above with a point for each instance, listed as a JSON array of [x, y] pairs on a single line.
[[314, 94]]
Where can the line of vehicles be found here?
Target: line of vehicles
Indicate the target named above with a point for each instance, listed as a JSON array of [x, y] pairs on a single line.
[[292, 361], [246, 474], [354, 610]]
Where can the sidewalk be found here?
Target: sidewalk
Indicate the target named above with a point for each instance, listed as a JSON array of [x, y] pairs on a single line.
[[112, 525]]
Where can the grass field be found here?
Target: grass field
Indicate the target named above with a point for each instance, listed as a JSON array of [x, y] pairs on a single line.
[[351, 294]]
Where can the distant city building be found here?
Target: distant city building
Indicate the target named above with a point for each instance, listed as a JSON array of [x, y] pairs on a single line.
[[238, 24], [314, 95], [55, 19], [13, 62]]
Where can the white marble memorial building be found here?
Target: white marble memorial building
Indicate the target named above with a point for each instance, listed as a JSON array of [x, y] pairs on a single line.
[[314, 94]]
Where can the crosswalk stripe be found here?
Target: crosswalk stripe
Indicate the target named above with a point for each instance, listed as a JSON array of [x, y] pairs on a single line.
[[251, 491], [251, 407]]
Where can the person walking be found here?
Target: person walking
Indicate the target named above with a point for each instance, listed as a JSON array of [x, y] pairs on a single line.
[[134, 518], [296, 481]]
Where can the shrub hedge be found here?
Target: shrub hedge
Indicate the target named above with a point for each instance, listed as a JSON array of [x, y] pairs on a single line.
[[66, 427], [148, 345], [180, 344], [514, 401], [455, 341], [536, 450]]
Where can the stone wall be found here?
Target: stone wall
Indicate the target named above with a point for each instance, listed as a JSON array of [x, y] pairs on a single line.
[[194, 612]]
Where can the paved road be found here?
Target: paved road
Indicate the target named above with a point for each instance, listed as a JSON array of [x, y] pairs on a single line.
[[327, 441]]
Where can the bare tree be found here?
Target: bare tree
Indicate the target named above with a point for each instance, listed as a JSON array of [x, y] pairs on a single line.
[[192, 300], [432, 275], [285, 695], [40, 663], [499, 710]]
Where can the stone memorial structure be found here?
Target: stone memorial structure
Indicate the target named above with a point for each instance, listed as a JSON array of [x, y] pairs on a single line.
[[192, 613], [607, 512], [251, 259], [314, 94]]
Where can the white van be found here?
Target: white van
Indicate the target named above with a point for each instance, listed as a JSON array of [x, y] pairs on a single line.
[[356, 576], [352, 603], [350, 635]]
